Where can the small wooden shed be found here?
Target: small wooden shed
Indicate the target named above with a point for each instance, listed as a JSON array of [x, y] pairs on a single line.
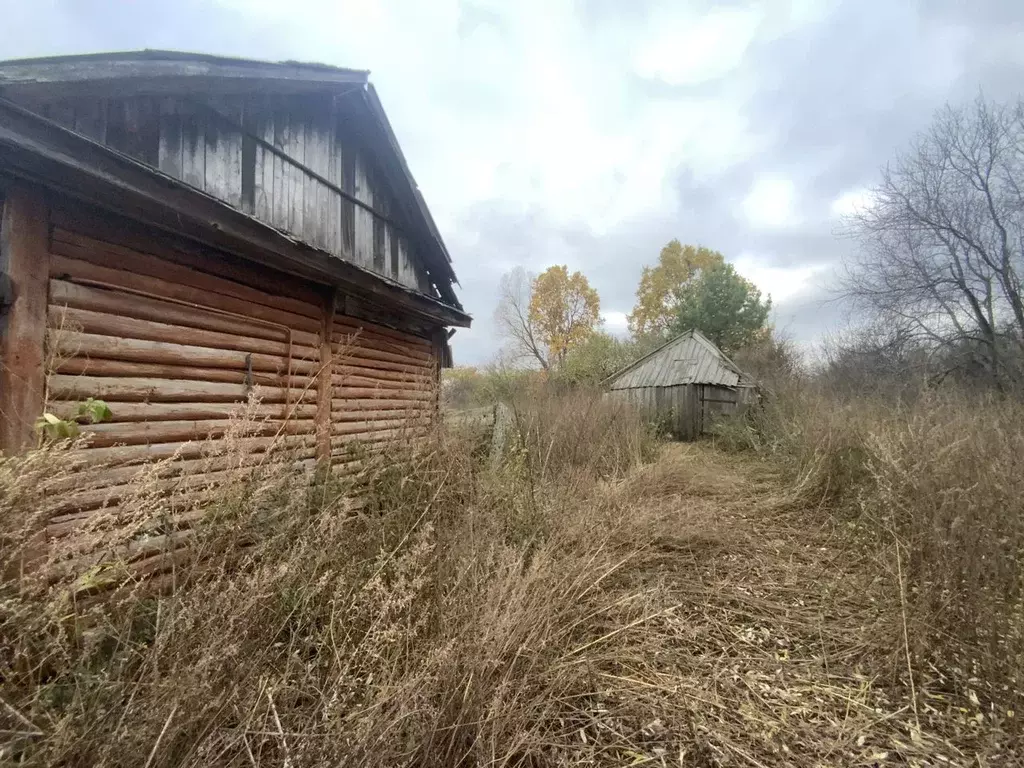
[[684, 385]]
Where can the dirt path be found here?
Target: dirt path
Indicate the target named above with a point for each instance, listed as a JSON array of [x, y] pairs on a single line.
[[789, 656]]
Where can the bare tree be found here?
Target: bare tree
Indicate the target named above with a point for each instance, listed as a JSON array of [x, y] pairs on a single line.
[[512, 316], [943, 238]]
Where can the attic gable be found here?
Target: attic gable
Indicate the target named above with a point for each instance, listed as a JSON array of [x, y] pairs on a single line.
[[305, 148]]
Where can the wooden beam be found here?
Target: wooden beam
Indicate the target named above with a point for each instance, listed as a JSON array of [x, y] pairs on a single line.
[[325, 385], [24, 261]]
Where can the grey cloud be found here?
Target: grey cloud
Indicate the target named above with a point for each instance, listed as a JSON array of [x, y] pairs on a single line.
[[828, 103]]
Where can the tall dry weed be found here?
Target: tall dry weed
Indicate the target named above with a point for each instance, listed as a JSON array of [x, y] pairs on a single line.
[[933, 489], [459, 618]]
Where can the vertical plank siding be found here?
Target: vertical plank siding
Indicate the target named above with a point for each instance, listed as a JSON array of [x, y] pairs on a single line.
[[205, 145]]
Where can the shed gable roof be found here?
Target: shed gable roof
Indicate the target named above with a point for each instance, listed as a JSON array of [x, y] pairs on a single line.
[[689, 358], [165, 72]]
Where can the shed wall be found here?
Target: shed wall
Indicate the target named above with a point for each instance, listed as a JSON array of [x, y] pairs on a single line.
[[686, 410], [175, 341]]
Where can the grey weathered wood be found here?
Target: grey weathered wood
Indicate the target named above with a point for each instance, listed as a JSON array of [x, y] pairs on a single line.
[[42, 150]]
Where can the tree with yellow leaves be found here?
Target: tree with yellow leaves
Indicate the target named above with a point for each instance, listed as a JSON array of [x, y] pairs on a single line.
[[546, 316], [660, 286]]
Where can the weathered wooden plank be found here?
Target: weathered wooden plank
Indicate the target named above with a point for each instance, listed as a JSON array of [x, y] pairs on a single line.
[[193, 148], [295, 179], [223, 168], [348, 208], [364, 219], [24, 259], [91, 119], [169, 156]]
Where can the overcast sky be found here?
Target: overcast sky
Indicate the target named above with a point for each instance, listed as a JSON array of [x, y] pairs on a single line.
[[590, 132]]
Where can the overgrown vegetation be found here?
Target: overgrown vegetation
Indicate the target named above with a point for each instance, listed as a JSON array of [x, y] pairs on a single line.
[[930, 488], [589, 599]]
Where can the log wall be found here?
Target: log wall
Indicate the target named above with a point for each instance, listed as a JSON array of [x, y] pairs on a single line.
[[176, 342]]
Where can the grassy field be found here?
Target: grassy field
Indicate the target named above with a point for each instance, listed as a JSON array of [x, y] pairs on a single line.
[[596, 598]]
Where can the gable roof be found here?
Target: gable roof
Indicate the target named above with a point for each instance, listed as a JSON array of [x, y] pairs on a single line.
[[689, 358], [158, 71], [44, 153]]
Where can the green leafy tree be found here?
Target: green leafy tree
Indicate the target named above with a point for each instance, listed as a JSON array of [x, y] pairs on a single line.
[[724, 306], [601, 355], [657, 295]]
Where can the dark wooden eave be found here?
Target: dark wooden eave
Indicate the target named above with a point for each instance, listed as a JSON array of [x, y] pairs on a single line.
[[42, 152]]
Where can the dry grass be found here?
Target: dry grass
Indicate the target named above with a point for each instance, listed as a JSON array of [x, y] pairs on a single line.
[[575, 606]]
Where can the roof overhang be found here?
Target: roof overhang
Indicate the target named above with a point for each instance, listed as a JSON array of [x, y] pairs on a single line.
[[42, 152], [155, 72]]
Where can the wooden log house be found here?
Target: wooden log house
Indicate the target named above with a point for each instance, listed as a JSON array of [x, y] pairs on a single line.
[[178, 229]]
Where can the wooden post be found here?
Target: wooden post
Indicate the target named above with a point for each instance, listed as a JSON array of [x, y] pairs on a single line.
[[25, 265], [324, 387]]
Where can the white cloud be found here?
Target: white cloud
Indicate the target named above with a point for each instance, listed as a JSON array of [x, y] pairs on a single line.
[[615, 323], [770, 203], [781, 283], [688, 48], [850, 203]]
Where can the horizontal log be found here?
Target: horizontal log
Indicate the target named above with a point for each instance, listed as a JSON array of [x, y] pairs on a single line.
[[106, 254], [130, 236], [377, 425], [351, 380], [66, 387], [376, 436], [377, 373], [425, 414], [344, 405], [346, 324], [65, 262], [343, 392], [81, 506], [69, 320], [361, 336], [186, 411], [289, 446], [355, 360], [68, 489], [360, 350], [114, 368], [136, 433], [126, 305], [95, 346]]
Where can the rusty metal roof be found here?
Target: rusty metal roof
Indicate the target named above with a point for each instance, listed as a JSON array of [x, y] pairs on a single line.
[[690, 358]]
